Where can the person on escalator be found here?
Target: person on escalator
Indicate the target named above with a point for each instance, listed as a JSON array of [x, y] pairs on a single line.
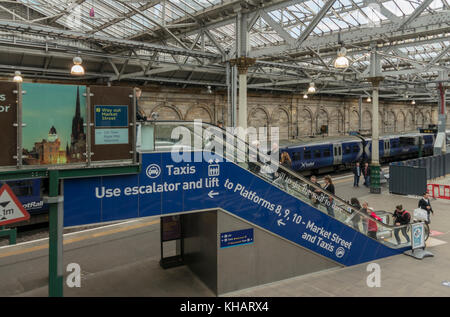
[[329, 187], [372, 227], [401, 218], [356, 217], [364, 220], [285, 160], [281, 175], [314, 193]]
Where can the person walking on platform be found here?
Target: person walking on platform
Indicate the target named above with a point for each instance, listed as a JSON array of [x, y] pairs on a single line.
[[425, 204], [356, 174], [401, 217], [372, 227], [366, 174], [313, 193], [356, 217], [329, 187]]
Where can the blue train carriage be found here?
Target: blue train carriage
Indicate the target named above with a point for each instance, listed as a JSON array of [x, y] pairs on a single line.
[[314, 155], [30, 192], [401, 146]]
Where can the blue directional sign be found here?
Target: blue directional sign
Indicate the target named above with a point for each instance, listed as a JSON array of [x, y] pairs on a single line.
[[167, 187], [235, 238]]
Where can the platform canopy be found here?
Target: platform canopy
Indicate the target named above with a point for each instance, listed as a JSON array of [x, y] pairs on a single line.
[[188, 42]]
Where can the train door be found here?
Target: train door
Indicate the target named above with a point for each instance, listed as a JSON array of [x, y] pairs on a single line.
[[387, 148], [337, 154], [368, 150]]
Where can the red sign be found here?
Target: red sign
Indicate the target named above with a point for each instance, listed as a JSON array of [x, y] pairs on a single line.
[[11, 210]]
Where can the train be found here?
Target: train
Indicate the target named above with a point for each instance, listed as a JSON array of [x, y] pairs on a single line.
[[325, 154], [309, 155]]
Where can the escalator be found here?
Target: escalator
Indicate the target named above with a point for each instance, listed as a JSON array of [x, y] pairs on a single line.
[[282, 201], [193, 167]]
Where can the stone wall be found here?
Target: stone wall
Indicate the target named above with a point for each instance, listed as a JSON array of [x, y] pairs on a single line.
[[293, 115]]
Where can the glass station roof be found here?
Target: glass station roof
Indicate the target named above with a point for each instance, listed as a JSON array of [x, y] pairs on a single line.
[[178, 23]]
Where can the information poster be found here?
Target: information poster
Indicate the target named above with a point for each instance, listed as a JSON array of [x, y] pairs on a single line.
[[417, 232], [171, 228], [112, 131], [54, 116], [111, 124]]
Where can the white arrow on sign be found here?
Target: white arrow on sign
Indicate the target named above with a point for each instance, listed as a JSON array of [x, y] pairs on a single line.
[[211, 194], [280, 222]]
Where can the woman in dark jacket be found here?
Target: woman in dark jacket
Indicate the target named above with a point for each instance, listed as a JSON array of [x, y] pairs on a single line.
[[356, 217], [329, 187], [401, 217]]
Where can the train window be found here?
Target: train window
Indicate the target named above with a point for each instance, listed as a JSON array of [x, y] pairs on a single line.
[[340, 152], [316, 153], [22, 188], [296, 156], [307, 155], [405, 141], [326, 153], [347, 150], [335, 151], [355, 149]]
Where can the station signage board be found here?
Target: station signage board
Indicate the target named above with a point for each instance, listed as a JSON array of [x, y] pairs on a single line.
[[235, 238], [165, 187]]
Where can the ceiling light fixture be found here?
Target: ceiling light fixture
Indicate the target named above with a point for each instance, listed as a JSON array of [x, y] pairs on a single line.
[[305, 96], [77, 69], [312, 88], [341, 61], [369, 99], [17, 77]]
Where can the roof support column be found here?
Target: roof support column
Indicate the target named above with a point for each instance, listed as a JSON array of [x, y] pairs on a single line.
[[242, 62], [375, 78], [440, 146]]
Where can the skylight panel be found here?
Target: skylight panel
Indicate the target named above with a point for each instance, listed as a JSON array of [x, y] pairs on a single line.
[[405, 6], [276, 15], [339, 22], [294, 32], [323, 27], [311, 6], [330, 24], [296, 12], [436, 5], [115, 4], [194, 4], [373, 15]]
